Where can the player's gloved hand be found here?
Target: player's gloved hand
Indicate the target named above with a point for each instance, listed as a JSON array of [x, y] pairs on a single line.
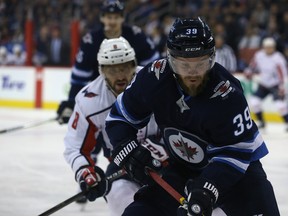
[[201, 196], [92, 181], [64, 111], [136, 159]]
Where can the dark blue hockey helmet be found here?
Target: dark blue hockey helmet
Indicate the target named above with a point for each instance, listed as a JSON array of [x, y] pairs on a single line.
[[112, 6], [190, 38]]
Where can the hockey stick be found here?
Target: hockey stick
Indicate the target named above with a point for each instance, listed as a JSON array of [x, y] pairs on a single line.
[[63, 204], [168, 188], [68, 201], [28, 125]]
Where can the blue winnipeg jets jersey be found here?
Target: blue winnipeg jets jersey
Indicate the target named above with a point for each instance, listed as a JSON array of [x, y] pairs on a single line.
[[85, 68], [212, 131]]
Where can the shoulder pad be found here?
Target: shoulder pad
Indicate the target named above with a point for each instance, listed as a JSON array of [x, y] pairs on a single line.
[[158, 67]]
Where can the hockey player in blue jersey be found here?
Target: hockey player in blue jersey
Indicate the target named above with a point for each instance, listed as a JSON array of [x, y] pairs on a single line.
[[214, 146], [85, 68]]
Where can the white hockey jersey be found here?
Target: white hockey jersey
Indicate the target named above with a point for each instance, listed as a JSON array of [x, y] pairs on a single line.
[[93, 104], [272, 68]]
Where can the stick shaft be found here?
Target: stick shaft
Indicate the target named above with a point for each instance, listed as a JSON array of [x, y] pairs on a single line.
[[167, 187], [28, 125], [68, 201], [62, 204]]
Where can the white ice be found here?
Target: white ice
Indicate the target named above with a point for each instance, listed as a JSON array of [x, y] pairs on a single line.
[[34, 176]]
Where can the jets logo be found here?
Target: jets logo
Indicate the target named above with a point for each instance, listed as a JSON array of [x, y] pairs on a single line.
[[158, 67], [222, 89], [186, 150], [186, 147]]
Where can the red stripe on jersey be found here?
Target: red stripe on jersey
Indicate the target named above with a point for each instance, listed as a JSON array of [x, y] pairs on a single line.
[[89, 142]]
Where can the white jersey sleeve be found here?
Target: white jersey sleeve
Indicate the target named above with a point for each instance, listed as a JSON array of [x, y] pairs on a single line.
[[92, 106], [93, 103]]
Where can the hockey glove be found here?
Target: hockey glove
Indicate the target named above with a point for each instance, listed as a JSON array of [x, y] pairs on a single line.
[[64, 111], [136, 159], [201, 196], [93, 182]]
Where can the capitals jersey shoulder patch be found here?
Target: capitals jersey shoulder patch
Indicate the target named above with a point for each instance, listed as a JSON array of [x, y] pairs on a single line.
[[158, 67], [89, 94]]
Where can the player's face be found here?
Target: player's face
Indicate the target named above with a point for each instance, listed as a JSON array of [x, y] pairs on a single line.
[[119, 76], [269, 50], [191, 72], [112, 22], [190, 66]]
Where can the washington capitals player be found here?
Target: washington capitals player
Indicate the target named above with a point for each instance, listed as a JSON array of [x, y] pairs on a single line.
[[117, 66], [271, 66], [214, 147], [85, 68]]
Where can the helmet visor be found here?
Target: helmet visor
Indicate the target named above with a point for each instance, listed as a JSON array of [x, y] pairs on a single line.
[[190, 66]]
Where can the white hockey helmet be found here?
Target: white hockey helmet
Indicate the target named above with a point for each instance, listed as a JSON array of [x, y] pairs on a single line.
[[269, 42], [115, 51]]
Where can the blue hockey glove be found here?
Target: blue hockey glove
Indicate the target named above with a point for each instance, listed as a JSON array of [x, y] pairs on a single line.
[[201, 196], [64, 111], [136, 159], [92, 181]]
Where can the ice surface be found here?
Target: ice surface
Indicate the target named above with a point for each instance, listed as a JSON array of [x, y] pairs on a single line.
[[34, 176]]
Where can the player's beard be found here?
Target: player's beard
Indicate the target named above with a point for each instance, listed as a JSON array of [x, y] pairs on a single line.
[[196, 88], [118, 86]]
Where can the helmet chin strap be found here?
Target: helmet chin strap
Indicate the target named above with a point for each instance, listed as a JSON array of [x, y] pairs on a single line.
[[106, 81], [110, 88]]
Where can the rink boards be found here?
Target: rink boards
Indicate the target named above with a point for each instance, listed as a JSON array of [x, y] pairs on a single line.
[[45, 87]]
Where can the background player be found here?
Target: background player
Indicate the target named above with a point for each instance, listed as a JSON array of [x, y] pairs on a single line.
[[85, 68], [117, 66], [271, 66], [214, 146]]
